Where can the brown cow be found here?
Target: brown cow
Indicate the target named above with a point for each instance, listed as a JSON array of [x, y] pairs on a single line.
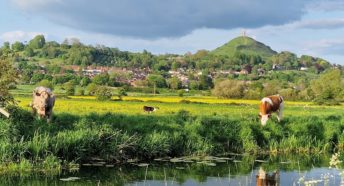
[[268, 105], [43, 101]]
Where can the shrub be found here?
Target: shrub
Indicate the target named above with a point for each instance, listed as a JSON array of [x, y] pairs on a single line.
[[46, 83], [103, 93], [229, 89]]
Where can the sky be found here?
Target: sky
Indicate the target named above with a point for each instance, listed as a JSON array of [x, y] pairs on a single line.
[[310, 27]]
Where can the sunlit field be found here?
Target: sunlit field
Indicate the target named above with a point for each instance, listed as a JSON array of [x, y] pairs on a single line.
[[81, 105]]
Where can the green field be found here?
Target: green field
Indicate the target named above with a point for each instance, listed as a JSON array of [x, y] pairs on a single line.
[[118, 131]]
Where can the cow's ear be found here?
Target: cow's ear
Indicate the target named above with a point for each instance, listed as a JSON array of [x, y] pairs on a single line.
[[260, 116], [38, 94]]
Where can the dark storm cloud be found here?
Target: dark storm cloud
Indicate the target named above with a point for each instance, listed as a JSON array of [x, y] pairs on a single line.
[[163, 18]]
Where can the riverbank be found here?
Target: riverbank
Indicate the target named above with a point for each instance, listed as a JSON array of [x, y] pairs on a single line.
[[28, 144]]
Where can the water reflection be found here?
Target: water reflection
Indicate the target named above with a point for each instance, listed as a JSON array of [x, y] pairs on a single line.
[[237, 170], [264, 179]]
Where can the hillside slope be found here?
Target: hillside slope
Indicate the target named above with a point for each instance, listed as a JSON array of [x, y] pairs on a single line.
[[244, 45]]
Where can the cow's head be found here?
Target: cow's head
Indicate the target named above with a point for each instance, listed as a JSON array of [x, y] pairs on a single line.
[[264, 118], [41, 102]]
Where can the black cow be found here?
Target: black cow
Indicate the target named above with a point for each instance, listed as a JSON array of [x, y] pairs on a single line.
[[150, 109]]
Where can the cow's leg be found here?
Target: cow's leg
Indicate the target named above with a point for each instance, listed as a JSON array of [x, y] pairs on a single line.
[[280, 112], [49, 116]]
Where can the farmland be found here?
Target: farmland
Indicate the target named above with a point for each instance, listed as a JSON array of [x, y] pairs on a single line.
[[118, 131], [198, 106]]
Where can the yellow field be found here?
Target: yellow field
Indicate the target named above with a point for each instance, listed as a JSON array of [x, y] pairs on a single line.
[[170, 105], [203, 99]]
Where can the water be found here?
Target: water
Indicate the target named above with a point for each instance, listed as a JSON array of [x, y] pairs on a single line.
[[289, 170]]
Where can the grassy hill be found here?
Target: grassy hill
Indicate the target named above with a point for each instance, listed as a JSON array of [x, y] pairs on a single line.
[[245, 45]]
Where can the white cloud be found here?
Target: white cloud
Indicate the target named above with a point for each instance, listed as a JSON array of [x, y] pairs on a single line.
[[321, 24], [327, 46], [18, 36]]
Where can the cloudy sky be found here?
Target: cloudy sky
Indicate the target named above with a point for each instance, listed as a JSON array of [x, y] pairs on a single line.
[[313, 27]]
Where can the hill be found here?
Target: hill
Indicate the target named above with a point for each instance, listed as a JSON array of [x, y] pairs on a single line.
[[246, 45]]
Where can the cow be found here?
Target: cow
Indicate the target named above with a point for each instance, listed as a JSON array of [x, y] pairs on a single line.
[[270, 104], [43, 101], [150, 109]]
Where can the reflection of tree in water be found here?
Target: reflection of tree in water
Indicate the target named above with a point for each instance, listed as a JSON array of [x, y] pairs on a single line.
[[177, 173]]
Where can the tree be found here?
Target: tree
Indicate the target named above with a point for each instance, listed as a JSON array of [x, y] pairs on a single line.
[[70, 88], [85, 81], [328, 88], [18, 46], [229, 89], [46, 83], [205, 82], [37, 42], [156, 80], [174, 83], [103, 93], [36, 77], [91, 88], [101, 79], [29, 52], [8, 77]]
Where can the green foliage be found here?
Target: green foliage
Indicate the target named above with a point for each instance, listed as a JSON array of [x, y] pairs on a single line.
[[37, 42], [229, 89], [328, 88], [91, 89], [46, 83], [18, 46], [205, 82], [156, 80], [181, 93], [69, 88], [103, 93], [117, 138], [245, 45], [8, 77], [29, 52], [174, 83], [101, 79]]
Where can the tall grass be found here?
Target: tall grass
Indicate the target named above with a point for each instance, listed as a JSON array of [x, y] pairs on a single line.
[[30, 144]]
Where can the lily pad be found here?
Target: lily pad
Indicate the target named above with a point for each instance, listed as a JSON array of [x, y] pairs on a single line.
[[263, 161], [70, 179], [143, 164]]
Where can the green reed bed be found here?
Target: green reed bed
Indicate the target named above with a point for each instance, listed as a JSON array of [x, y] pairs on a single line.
[[28, 144]]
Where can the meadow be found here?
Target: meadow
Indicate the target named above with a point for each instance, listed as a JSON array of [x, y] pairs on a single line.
[[118, 131]]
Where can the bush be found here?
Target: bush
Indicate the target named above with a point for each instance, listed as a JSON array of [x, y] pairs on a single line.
[[103, 93], [46, 83], [229, 89], [70, 88]]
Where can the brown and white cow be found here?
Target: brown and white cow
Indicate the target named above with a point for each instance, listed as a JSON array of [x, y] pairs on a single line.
[[43, 101], [150, 109], [271, 104]]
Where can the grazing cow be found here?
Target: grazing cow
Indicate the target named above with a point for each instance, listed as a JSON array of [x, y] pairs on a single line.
[[43, 101], [150, 109], [268, 105]]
